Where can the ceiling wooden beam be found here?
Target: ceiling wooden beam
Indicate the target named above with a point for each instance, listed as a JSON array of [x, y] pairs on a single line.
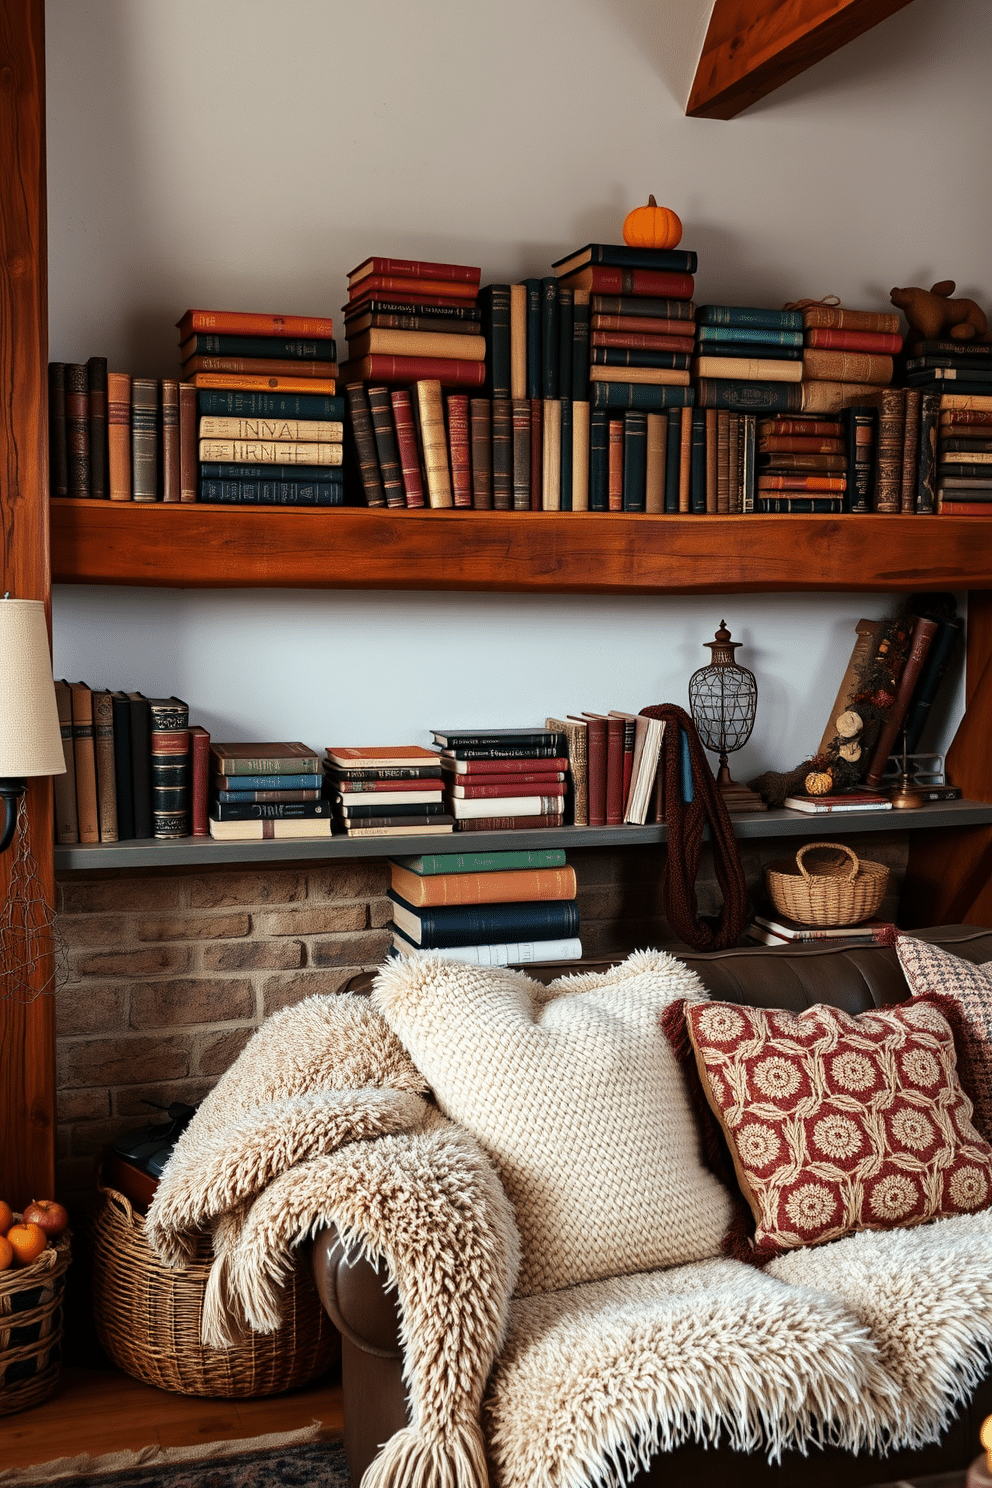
[[752, 47]]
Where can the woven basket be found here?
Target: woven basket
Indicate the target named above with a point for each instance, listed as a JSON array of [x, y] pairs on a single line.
[[31, 1328], [148, 1318], [828, 884]]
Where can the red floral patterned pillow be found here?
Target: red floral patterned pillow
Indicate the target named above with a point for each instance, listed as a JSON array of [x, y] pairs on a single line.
[[838, 1123]]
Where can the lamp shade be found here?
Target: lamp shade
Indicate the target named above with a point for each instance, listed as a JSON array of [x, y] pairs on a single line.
[[30, 737]]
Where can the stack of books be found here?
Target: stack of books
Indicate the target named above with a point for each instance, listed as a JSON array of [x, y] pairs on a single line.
[[259, 391], [407, 321], [613, 767], [487, 909], [498, 779], [133, 767], [263, 791], [850, 346], [802, 465], [774, 929], [386, 791], [964, 456]]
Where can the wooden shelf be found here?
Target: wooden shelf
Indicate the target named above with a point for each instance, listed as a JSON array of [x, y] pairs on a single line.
[[204, 852], [216, 547]]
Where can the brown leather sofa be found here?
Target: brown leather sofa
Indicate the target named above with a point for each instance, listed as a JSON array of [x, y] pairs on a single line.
[[355, 1296]]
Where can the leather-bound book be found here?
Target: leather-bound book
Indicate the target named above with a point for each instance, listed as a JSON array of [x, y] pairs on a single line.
[[380, 341], [407, 369], [566, 317], [634, 330], [712, 453], [387, 448], [365, 447], [96, 373], [123, 769], [614, 465], [406, 445], [723, 462], [872, 342], [644, 307], [502, 446], [923, 634], [199, 748], [58, 471], [509, 823], [171, 488], [635, 442], [435, 442], [144, 439], [846, 366], [550, 349], [613, 785], [686, 424], [536, 453], [565, 455], [141, 763], [297, 349], [271, 452], [580, 346], [262, 367], [169, 749], [520, 413], [459, 450], [910, 449], [480, 425], [119, 436], [551, 456], [859, 424], [518, 340], [836, 317], [596, 766], [188, 441], [103, 737], [252, 323], [580, 455], [636, 283], [77, 428], [942, 648], [66, 816], [598, 460], [494, 303], [87, 805]]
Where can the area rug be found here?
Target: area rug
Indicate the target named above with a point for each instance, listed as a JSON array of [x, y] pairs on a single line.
[[277, 1461]]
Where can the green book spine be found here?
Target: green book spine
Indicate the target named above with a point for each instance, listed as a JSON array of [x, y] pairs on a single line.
[[599, 460], [926, 464], [749, 397], [565, 458], [749, 315], [494, 302], [566, 312], [580, 349], [533, 287], [635, 453], [549, 338], [747, 335], [697, 468], [673, 462], [622, 395], [483, 862]]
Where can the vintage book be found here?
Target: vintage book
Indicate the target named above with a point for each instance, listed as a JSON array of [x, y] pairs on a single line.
[[399, 813], [280, 758], [963, 445], [509, 953], [957, 508], [532, 288], [432, 771], [656, 451], [648, 734], [123, 768], [580, 346], [745, 336], [518, 340], [565, 455], [827, 484], [835, 317], [762, 351], [830, 805], [551, 456], [265, 383], [683, 480], [255, 783], [390, 473], [483, 862], [141, 763], [847, 366], [406, 446], [522, 806], [520, 419], [472, 789], [280, 430], [872, 342], [879, 932], [515, 752], [723, 461], [365, 446], [497, 768], [170, 481], [923, 634], [580, 455], [833, 397], [672, 361], [459, 450], [144, 439], [502, 454], [821, 463], [58, 470], [677, 335], [77, 428], [410, 268], [748, 369], [270, 493], [84, 750], [749, 316], [450, 738], [942, 648], [310, 407], [261, 367], [598, 460], [308, 349], [378, 756], [539, 776], [439, 828], [641, 376], [427, 789], [889, 440], [676, 350], [868, 633], [912, 402], [402, 284], [634, 472], [510, 823], [119, 436], [971, 378], [806, 504], [643, 307], [536, 453], [268, 810], [550, 348], [237, 470], [494, 304], [199, 742], [417, 344], [711, 453], [807, 428], [508, 886], [697, 466], [187, 439], [799, 444], [599, 279], [66, 815], [464, 313], [96, 372], [595, 727], [566, 315], [259, 831], [271, 452], [469, 924], [614, 465], [434, 442], [734, 462], [169, 749], [250, 323], [481, 452], [618, 396], [103, 738], [964, 462], [620, 255]]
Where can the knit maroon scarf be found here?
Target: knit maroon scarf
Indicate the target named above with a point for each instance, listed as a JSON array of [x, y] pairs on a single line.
[[686, 821]]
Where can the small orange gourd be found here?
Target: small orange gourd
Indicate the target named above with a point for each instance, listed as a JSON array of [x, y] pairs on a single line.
[[652, 227]]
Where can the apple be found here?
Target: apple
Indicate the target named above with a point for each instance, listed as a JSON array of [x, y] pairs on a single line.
[[6, 1217], [49, 1216], [27, 1241]]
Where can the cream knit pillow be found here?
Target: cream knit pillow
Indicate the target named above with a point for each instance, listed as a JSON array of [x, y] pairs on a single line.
[[574, 1092]]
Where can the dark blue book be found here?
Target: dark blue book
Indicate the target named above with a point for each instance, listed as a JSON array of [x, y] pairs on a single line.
[[613, 356], [620, 256], [566, 311], [123, 783], [806, 504], [622, 395], [697, 462], [926, 462], [494, 304], [599, 468], [268, 810], [749, 397], [202, 343], [673, 461], [228, 470], [635, 455], [580, 348], [484, 924], [271, 493], [533, 287], [749, 315], [859, 439], [565, 461], [267, 782], [761, 350], [549, 338], [226, 403]]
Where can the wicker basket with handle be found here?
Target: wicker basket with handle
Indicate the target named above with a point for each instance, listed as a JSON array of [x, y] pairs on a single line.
[[31, 1328], [148, 1318], [828, 884]]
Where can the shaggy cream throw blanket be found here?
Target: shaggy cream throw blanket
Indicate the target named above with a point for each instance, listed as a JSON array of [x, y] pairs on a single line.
[[324, 1119]]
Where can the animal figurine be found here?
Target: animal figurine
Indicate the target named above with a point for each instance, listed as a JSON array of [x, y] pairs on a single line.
[[934, 316]]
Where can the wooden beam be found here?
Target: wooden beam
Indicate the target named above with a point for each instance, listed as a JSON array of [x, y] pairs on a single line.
[[27, 1029], [753, 47]]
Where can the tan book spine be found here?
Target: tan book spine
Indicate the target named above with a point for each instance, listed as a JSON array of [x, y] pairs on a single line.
[[966, 402], [845, 366], [580, 456], [712, 454], [518, 340], [187, 442], [910, 442], [685, 459], [652, 376], [889, 450], [733, 464], [87, 808], [435, 443], [118, 437], [268, 452], [170, 440], [103, 737], [578, 764], [657, 449], [551, 456], [263, 383], [318, 431], [834, 317], [747, 369], [723, 462], [869, 633], [66, 818], [376, 341], [832, 397]]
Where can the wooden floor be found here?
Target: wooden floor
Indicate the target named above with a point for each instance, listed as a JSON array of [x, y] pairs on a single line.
[[103, 1410]]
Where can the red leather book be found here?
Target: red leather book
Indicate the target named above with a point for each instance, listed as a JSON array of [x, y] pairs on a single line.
[[963, 508], [411, 268], [487, 767], [509, 823], [923, 633], [799, 444], [599, 279], [550, 780], [515, 787], [413, 286], [614, 797], [382, 368], [596, 744], [802, 483], [458, 449], [833, 340], [359, 786], [406, 443], [645, 325], [615, 465], [536, 453], [199, 745], [630, 341], [248, 323]]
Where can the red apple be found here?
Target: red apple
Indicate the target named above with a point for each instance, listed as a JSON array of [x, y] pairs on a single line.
[[49, 1216]]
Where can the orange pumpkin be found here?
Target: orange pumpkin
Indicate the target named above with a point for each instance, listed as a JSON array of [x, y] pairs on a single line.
[[652, 227]]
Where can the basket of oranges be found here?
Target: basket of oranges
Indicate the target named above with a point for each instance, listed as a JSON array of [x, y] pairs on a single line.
[[34, 1257]]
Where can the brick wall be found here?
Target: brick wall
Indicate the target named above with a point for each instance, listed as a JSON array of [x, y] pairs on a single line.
[[172, 970]]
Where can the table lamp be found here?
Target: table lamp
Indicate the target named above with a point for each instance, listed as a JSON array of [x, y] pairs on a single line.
[[30, 736]]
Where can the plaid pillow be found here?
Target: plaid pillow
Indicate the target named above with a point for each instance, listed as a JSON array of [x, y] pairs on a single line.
[[930, 970]]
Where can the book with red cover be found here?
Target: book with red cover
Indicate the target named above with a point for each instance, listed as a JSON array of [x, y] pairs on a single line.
[[614, 793], [390, 369], [406, 443], [645, 325], [458, 449], [410, 268], [248, 323], [260, 366], [834, 340], [511, 782], [509, 823], [631, 341], [615, 465], [357, 785], [199, 741], [369, 756], [599, 279], [596, 741], [531, 765], [828, 483], [411, 286]]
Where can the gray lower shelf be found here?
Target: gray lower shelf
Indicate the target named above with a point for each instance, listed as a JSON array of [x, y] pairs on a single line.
[[204, 852]]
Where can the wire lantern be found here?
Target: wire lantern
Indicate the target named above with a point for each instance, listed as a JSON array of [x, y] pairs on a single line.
[[33, 952], [723, 700]]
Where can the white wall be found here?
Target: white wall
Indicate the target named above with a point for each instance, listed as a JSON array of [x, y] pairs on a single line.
[[245, 155]]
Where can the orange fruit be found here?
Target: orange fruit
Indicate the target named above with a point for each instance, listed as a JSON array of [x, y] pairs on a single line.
[[6, 1217], [6, 1254], [27, 1241]]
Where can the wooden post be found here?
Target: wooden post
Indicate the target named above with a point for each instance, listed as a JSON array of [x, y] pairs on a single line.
[[27, 1030]]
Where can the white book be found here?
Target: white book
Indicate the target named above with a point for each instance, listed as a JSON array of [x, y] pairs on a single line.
[[814, 807], [647, 751], [505, 806], [366, 831], [320, 431], [515, 953]]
